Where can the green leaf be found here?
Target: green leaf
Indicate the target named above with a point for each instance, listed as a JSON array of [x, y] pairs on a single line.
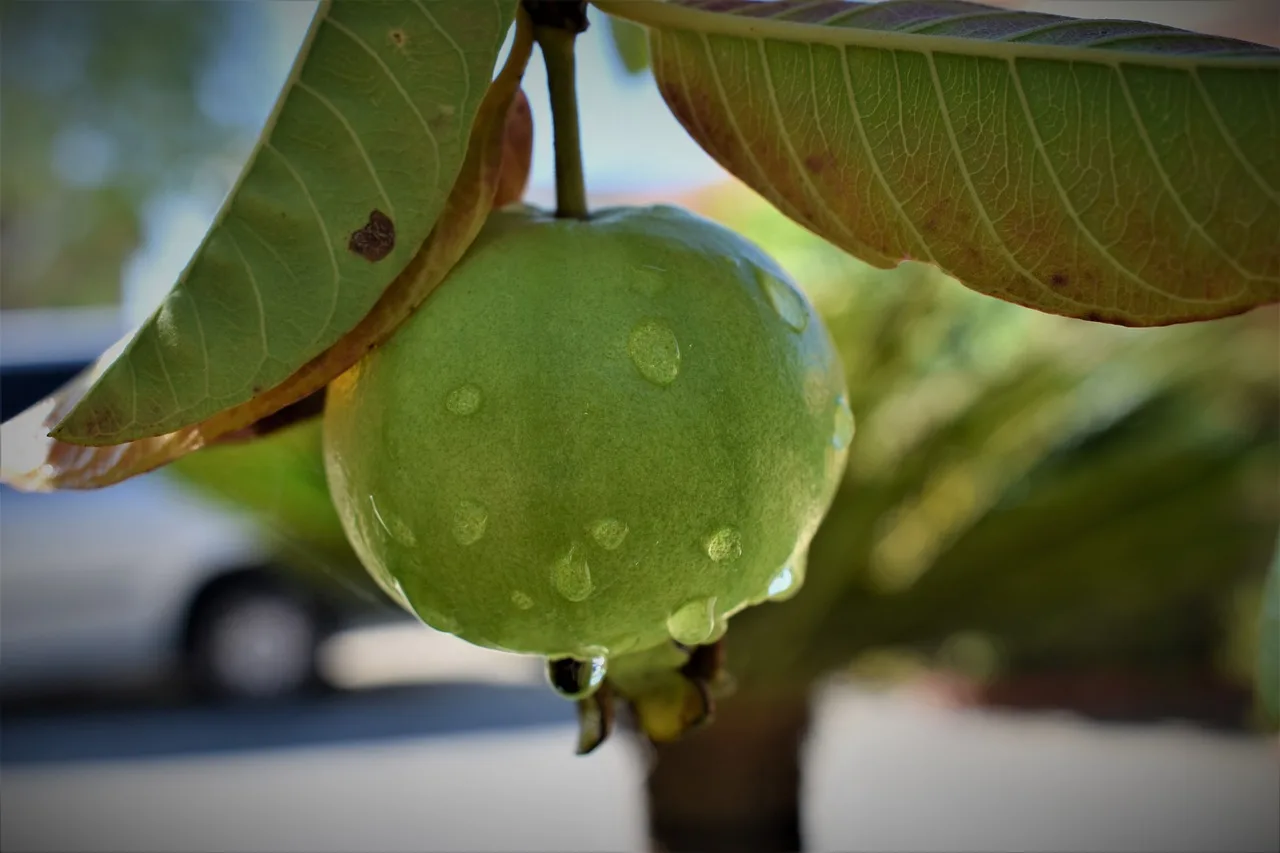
[[630, 45], [347, 180], [496, 165], [1110, 170], [1268, 676]]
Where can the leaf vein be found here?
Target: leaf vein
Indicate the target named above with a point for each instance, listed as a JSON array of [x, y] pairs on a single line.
[[395, 81], [791, 151], [1168, 186], [985, 217], [1067, 204], [1233, 143], [871, 156], [324, 232], [466, 69], [355, 138], [257, 299], [781, 199]]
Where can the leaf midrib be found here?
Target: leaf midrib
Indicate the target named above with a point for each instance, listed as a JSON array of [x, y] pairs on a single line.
[[665, 14]]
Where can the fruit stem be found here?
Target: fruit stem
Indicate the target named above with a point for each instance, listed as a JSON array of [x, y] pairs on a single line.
[[557, 43]]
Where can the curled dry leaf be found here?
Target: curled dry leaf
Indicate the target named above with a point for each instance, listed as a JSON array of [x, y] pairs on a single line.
[[517, 152], [34, 461]]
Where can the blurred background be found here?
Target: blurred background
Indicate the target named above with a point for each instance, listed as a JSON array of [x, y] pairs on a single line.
[[1029, 622]]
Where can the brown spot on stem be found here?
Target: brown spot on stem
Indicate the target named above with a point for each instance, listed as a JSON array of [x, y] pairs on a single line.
[[376, 239]]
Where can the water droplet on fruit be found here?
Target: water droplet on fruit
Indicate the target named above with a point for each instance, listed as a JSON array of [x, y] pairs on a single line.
[[724, 545], [784, 299], [655, 352], [693, 623], [571, 575], [521, 600], [463, 400], [783, 583], [844, 424], [576, 679], [609, 533], [469, 522]]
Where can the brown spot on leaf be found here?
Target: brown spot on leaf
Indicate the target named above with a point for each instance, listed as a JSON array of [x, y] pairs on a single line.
[[816, 163], [398, 37], [376, 239], [1059, 279]]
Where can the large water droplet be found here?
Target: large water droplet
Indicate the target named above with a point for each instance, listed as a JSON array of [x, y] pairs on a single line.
[[571, 576], [724, 545], [693, 623], [655, 352], [463, 400], [521, 600], [576, 679], [609, 533], [843, 433], [469, 522], [784, 299]]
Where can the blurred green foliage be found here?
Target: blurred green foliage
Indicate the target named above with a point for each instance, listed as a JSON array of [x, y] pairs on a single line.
[[99, 110]]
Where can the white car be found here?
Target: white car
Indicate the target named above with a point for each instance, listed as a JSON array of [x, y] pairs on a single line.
[[144, 579]]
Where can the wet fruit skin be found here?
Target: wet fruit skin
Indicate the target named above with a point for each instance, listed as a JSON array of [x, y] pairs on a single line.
[[595, 436]]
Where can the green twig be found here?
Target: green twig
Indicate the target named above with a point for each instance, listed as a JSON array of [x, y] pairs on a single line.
[[557, 52]]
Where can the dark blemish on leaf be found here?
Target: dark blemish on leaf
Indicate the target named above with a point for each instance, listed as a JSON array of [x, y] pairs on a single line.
[[1094, 317], [376, 239], [931, 224], [815, 163], [1059, 279], [398, 37]]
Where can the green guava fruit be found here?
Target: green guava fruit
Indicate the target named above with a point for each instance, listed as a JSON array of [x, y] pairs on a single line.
[[595, 437]]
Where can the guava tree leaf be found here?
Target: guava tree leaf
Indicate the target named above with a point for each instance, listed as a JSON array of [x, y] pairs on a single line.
[[348, 177], [35, 461], [1116, 171], [1268, 675], [630, 45]]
